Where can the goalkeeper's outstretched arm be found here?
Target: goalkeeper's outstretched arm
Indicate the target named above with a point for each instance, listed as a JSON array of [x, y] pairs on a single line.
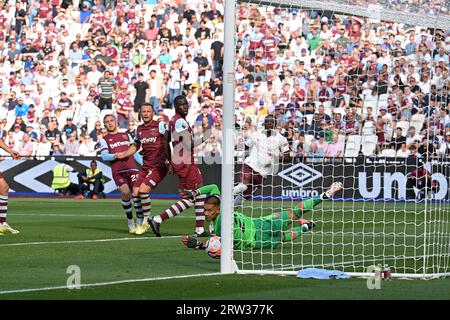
[[192, 242]]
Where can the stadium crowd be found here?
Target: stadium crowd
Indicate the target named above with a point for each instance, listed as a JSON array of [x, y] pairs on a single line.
[[429, 7], [337, 85]]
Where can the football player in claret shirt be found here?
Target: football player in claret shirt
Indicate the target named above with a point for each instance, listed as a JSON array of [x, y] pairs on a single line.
[[151, 137], [182, 160], [124, 171], [262, 232]]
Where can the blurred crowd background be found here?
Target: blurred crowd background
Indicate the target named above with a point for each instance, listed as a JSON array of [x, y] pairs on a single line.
[[338, 85]]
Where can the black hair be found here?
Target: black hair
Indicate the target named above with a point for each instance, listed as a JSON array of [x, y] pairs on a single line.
[[214, 200], [179, 98]]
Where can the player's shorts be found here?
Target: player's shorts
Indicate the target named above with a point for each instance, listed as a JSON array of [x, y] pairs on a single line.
[[151, 176], [1, 175], [127, 177], [190, 177], [269, 229]]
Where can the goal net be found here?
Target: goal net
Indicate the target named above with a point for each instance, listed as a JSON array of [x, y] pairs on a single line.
[[359, 92]]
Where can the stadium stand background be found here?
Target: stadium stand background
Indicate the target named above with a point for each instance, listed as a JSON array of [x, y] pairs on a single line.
[[338, 85]]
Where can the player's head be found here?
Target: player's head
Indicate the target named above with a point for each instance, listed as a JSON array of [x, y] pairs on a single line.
[[212, 207], [181, 105], [270, 122], [147, 112], [110, 123]]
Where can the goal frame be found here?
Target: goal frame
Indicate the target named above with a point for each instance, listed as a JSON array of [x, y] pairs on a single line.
[[227, 263]]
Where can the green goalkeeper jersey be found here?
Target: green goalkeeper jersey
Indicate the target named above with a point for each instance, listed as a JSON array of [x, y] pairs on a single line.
[[244, 227]]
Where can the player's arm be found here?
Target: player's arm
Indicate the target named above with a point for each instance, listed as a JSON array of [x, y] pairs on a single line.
[[181, 128], [13, 153], [137, 156], [131, 150], [106, 156], [166, 139]]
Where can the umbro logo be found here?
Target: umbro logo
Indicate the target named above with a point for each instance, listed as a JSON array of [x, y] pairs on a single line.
[[300, 174]]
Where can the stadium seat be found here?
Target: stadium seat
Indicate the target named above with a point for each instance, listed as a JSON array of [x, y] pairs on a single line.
[[339, 110], [417, 121], [308, 139], [35, 147], [43, 149], [346, 99], [382, 99], [368, 128], [341, 139], [369, 143], [388, 153], [91, 123], [405, 126], [353, 146], [327, 104]]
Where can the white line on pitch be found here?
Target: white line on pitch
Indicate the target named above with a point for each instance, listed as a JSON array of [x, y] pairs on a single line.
[[111, 283], [81, 241]]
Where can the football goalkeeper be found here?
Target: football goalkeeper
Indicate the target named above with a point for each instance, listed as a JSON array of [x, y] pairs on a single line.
[[264, 232]]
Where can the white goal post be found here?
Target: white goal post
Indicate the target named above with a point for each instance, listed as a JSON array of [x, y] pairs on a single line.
[[374, 221]]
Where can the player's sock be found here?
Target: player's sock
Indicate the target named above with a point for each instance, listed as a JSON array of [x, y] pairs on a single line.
[[3, 208], [238, 200], [126, 205], [131, 224], [175, 209], [138, 208], [237, 191], [292, 233], [306, 205], [146, 204], [200, 213]]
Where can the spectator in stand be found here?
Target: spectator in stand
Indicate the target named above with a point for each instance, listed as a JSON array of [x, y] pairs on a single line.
[[398, 140], [72, 146], [107, 87]]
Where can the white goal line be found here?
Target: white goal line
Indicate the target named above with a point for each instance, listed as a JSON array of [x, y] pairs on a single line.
[[83, 241], [98, 284]]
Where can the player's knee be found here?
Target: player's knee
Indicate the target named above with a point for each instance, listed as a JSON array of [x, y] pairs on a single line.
[[4, 188], [144, 188]]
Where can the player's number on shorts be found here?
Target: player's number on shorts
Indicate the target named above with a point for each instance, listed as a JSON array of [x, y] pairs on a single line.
[[134, 177], [149, 172]]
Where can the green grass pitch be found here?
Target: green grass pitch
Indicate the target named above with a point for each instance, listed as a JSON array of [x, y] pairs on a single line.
[[92, 234]]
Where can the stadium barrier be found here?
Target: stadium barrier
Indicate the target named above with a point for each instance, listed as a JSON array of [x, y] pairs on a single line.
[[364, 178]]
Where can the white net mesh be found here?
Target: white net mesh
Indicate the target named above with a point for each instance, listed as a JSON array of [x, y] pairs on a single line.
[[359, 90]]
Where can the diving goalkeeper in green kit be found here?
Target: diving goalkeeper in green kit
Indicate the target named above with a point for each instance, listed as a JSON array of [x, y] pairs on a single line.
[[263, 232]]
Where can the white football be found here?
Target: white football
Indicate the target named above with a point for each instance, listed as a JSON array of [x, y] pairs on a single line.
[[214, 247]]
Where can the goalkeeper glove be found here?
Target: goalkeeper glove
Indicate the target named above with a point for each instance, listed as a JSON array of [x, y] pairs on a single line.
[[192, 242], [190, 194]]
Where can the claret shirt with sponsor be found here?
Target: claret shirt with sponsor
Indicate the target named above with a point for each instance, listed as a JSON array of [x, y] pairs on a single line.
[[150, 137]]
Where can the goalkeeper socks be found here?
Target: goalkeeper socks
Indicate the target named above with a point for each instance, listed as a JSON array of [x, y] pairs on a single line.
[[3, 208], [200, 212], [126, 205], [306, 205], [146, 203], [176, 209]]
